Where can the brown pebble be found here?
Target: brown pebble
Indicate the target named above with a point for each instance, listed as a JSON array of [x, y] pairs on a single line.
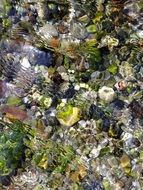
[[136, 108], [14, 112], [62, 29]]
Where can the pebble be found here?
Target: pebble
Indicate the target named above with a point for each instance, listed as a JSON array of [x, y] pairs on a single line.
[[78, 30], [96, 112], [140, 34], [69, 117], [48, 31], [51, 121], [118, 104], [69, 93], [125, 162], [84, 85], [82, 123], [126, 69], [77, 87], [106, 94], [95, 152], [137, 109]]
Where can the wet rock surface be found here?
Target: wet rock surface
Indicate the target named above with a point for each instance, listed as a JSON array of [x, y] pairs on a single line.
[[71, 112]]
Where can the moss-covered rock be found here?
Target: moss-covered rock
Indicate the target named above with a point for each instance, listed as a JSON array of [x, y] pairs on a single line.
[[68, 115]]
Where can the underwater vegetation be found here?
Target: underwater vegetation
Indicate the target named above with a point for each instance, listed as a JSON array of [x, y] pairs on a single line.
[[71, 91]]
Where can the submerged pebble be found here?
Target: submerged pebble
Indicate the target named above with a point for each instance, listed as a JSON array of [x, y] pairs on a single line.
[[14, 112], [48, 31], [106, 94], [71, 93], [137, 109], [69, 115]]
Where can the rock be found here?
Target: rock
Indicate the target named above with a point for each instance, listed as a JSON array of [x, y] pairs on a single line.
[[126, 69], [106, 94], [45, 102], [79, 174], [105, 124], [125, 163], [13, 112], [115, 131], [95, 152], [78, 30], [94, 185], [68, 115], [121, 85], [118, 104], [118, 185], [84, 19], [140, 34], [136, 108], [5, 180], [109, 41], [96, 112], [106, 184], [69, 93], [51, 120], [48, 30]]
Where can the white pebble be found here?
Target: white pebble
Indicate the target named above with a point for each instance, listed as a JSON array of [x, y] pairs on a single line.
[[25, 63], [64, 100], [77, 87], [140, 33], [82, 123], [95, 152], [106, 94]]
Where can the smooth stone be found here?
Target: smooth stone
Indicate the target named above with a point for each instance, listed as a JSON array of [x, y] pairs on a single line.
[[106, 94], [49, 30], [78, 30]]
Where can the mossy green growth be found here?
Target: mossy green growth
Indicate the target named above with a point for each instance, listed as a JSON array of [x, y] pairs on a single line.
[[91, 28], [90, 51], [39, 187], [68, 115], [98, 17], [64, 158], [7, 23], [141, 155], [105, 151], [113, 69], [13, 101], [106, 185], [6, 5], [75, 186], [12, 146], [66, 62], [44, 101], [93, 55], [53, 156]]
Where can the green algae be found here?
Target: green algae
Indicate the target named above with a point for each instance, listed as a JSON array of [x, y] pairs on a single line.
[[113, 69], [12, 146], [14, 101], [68, 115]]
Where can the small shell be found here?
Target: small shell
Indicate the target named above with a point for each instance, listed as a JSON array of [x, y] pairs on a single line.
[[121, 85]]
